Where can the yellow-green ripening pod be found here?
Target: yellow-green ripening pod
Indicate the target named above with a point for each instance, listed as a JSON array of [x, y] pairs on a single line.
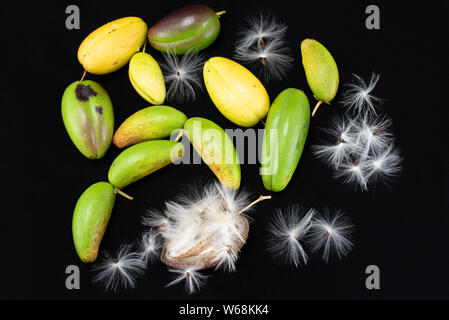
[[235, 91], [147, 78], [111, 46], [321, 70]]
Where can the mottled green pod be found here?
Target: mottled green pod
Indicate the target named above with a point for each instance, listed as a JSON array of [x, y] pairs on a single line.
[[88, 117], [216, 149], [321, 70], [151, 123], [142, 159], [90, 219], [194, 27], [284, 138]]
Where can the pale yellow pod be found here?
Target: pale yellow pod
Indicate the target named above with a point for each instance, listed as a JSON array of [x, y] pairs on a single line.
[[111, 46], [147, 78], [235, 91]]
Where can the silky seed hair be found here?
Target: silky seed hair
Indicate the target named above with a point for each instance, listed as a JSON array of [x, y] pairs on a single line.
[[331, 233], [150, 246], [194, 280], [262, 46], [182, 74], [358, 97], [288, 230], [120, 271]]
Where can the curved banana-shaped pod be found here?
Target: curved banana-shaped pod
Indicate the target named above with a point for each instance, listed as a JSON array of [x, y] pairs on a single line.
[[321, 71], [146, 77], [90, 219], [235, 91], [284, 138], [142, 159], [88, 117], [216, 149], [151, 123], [194, 27], [111, 46]]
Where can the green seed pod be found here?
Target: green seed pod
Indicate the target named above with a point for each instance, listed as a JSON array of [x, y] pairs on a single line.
[[142, 159], [321, 71], [216, 149], [151, 123], [194, 27], [88, 117], [90, 219], [284, 138]]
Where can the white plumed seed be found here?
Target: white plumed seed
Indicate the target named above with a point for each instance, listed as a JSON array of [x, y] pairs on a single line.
[[121, 271], [182, 75], [194, 280], [354, 172], [288, 230], [331, 234], [150, 246], [358, 96], [373, 135], [384, 165], [261, 44]]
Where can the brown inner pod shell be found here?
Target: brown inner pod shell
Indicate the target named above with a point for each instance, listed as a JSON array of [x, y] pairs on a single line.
[[198, 256]]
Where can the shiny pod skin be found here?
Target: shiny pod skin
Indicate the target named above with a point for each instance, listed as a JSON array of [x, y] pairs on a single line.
[[111, 46], [142, 159], [194, 27], [235, 91], [146, 77], [90, 219], [321, 70], [284, 138], [88, 117], [216, 149], [151, 123]]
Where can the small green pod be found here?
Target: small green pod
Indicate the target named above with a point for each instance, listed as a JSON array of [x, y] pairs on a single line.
[[284, 138], [88, 117], [194, 27], [216, 149], [142, 159], [151, 123], [321, 70], [90, 219]]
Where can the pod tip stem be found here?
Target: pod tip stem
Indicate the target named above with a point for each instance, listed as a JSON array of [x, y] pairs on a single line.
[[120, 192], [220, 13], [261, 198], [144, 46], [84, 74], [316, 107]]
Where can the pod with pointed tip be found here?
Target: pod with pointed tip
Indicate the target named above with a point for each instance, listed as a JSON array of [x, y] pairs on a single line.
[[284, 138], [194, 27], [111, 46], [142, 159], [90, 219], [321, 70], [88, 117], [151, 123], [235, 91], [146, 78], [216, 149]]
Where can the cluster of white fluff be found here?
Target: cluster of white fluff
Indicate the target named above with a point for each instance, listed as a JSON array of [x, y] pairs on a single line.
[[360, 146], [182, 74], [292, 230], [263, 47]]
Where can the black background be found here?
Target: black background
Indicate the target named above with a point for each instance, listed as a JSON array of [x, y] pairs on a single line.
[[403, 229]]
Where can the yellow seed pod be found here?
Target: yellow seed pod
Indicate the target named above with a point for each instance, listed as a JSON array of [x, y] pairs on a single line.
[[235, 91], [111, 46]]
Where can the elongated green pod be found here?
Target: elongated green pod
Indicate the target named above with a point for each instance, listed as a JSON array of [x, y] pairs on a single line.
[[216, 149], [284, 138], [88, 117], [151, 123], [321, 71], [194, 27], [143, 159], [90, 219]]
